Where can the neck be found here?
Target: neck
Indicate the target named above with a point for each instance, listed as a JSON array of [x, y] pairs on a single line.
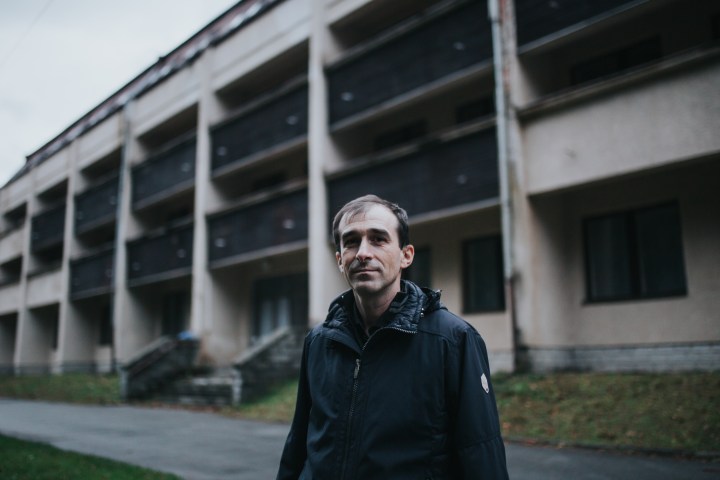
[[372, 308]]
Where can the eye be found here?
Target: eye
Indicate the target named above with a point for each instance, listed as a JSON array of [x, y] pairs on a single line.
[[380, 239]]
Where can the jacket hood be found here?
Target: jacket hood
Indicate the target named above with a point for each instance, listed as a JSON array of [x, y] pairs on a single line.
[[408, 306]]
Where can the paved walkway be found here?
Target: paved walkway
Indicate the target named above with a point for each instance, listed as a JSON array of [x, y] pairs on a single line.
[[204, 446]]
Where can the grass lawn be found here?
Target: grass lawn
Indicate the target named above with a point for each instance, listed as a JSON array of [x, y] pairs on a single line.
[[23, 460], [660, 411], [68, 388]]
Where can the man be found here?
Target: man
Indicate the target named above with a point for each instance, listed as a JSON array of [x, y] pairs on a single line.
[[392, 385]]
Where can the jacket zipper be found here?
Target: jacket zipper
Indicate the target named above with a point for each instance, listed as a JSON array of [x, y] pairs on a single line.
[[350, 415], [348, 431]]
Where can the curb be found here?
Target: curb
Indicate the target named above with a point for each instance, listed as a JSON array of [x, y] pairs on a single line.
[[705, 456]]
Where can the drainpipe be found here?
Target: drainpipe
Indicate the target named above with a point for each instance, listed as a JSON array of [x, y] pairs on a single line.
[[499, 18]]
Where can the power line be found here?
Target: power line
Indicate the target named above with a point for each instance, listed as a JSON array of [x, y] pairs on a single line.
[[22, 36]]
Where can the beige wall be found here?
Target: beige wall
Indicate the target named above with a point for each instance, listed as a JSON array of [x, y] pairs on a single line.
[[667, 118], [446, 269], [561, 315]]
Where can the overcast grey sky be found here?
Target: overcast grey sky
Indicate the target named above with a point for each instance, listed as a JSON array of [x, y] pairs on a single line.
[[60, 58]]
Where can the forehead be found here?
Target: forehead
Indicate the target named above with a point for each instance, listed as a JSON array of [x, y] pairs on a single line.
[[376, 217]]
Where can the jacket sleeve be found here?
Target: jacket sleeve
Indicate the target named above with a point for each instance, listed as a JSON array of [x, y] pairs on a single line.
[[480, 451], [295, 451]]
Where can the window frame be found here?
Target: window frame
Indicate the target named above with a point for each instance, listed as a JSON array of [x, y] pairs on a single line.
[[501, 301], [412, 272], [632, 244]]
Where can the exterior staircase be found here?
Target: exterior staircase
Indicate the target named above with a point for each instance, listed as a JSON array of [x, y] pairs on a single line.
[[165, 371], [273, 361], [156, 365]]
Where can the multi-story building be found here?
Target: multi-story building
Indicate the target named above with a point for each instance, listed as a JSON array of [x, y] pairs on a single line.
[[570, 211]]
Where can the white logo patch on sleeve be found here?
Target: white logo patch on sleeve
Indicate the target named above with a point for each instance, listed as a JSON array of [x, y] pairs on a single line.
[[485, 385]]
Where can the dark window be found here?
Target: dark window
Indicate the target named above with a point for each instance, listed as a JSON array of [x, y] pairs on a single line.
[[54, 332], [635, 254], [398, 136], [539, 18], [474, 110], [617, 61], [419, 272], [716, 26], [105, 336], [268, 181], [483, 275]]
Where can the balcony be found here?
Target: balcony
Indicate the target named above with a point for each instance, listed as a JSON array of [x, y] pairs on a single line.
[[537, 19], [160, 257], [11, 244], [435, 175], [656, 116], [447, 45], [275, 123], [48, 229], [96, 206], [9, 298], [44, 288], [92, 275], [276, 222], [163, 175]]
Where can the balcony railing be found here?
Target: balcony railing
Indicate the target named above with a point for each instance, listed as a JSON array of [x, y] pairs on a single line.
[[48, 229], [270, 124], [163, 174], [536, 19], [435, 177], [96, 206], [160, 256], [92, 275], [445, 45], [275, 222]]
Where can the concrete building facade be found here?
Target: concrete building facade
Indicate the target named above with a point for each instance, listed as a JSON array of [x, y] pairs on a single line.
[[560, 162]]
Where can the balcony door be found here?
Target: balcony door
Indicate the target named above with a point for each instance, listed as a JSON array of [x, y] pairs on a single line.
[[279, 302], [175, 312]]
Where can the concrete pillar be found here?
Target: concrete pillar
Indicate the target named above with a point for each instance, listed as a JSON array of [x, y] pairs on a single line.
[[76, 342], [131, 327], [324, 278], [204, 321], [23, 347]]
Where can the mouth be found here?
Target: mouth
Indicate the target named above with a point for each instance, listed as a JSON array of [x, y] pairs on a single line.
[[363, 270]]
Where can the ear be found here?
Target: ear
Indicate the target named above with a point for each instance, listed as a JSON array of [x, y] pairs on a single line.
[[338, 258], [408, 253]]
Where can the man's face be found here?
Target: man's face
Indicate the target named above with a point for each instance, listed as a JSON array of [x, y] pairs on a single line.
[[370, 256]]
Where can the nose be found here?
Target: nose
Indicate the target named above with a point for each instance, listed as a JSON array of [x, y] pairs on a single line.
[[364, 251]]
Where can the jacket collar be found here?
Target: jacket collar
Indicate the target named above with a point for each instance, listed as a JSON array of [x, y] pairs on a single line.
[[408, 307]]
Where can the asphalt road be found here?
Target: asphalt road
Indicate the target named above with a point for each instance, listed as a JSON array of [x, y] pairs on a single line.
[[205, 446]]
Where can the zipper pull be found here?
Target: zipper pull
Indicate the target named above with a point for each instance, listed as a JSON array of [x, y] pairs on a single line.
[[357, 368]]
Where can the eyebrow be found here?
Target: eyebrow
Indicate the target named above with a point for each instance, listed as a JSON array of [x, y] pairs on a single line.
[[377, 231]]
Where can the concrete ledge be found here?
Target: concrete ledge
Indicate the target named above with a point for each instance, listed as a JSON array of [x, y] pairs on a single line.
[[633, 358]]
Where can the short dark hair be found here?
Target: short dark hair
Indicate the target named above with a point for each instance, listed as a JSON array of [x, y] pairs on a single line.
[[362, 205]]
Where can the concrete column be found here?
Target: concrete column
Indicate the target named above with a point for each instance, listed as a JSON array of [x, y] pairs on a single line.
[[131, 327], [324, 278], [24, 353], [203, 320], [76, 342]]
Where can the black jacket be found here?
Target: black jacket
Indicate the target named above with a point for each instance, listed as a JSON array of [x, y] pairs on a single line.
[[414, 402]]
